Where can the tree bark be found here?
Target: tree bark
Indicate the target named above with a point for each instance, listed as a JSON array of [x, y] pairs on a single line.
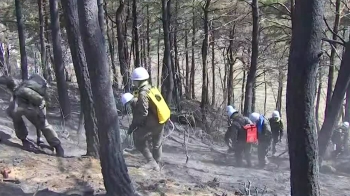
[[59, 62], [22, 38], [101, 16], [158, 56], [280, 91], [347, 119], [122, 47], [318, 100], [332, 57], [167, 72], [213, 100], [205, 93], [336, 102], [250, 83], [231, 62], [192, 75], [135, 34], [187, 72], [149, 67], [302, 73], [42, 39], [82, 73], [115, 173]]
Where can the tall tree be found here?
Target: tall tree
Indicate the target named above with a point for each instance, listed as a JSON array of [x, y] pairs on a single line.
[[59, 62], [333, 55], [22, 38], [213, 63], [115, 173], [122, 46], [82, 73], [301, 83], [42, 39], [336, 103], [193, 60], [167, 72], [251, 77], [205, 45], [135, 34], [187, 71]]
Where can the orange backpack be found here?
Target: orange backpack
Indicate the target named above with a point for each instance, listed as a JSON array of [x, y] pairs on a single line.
[[252, 133]]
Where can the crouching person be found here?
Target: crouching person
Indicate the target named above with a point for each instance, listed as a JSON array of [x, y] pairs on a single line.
[[237, 135], [150, 113], [264, 136], [28, 100]]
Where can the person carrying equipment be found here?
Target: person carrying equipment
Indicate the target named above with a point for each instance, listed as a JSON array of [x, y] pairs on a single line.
[[28, 100], [276, 129], [150, 113], [264, 136], [338, 139], [236, 136]]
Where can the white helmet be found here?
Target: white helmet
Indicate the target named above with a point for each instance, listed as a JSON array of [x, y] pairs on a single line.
[[275, 114], [139, 73], [254, 117], [230, 110], [126, 97], [346, 124]]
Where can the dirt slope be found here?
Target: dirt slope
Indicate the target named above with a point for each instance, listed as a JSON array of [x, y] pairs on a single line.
[[209, 170]]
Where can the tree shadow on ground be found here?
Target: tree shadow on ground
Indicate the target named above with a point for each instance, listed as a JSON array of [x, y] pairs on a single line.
[[7, 189]]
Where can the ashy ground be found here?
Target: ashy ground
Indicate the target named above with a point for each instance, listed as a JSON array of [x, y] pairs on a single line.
[[209, 170]]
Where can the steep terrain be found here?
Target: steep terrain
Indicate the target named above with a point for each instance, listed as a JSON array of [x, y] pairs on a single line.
[[209, 170]]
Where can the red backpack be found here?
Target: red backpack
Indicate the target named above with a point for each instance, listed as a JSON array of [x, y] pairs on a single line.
[[252, 133]]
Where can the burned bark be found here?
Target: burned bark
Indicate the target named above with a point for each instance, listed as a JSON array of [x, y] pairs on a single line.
[[251, 77], [115, 173], [82, 73], [59, 62], [135, 34], [22, 38], [302, 73], [167, 72]]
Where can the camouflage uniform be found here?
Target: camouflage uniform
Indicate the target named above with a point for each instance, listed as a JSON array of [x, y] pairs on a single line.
[[145, 125], [28, 100], [264, 137], [277, 132], [238, 135]]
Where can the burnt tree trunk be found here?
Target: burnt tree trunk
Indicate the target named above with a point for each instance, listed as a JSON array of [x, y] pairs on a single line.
[[318, 100], [333, 53], [213, 100], [193, 60], [101, 16], [205, 45], [59, 62], [167, 72], [302, 73], [22, 38], [115, 173], [250, 83], [82, 73], [231, 62], [122, 47], [149, 67], [158, 56], [280, 90], [336, 103], [135, 34], [42, 39], [187, 72]]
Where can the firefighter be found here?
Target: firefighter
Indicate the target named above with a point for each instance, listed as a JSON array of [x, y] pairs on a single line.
[[236, 136], [276, 129], [264, 136]]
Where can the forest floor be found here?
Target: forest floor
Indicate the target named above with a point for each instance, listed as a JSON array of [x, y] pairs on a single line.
[[209, 170]]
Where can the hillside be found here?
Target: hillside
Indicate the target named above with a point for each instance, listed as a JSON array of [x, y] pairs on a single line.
[[209, 171]]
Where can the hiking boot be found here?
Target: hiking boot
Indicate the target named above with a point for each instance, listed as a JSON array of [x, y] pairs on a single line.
[[152, 165], [59, 150], [28, 146]]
